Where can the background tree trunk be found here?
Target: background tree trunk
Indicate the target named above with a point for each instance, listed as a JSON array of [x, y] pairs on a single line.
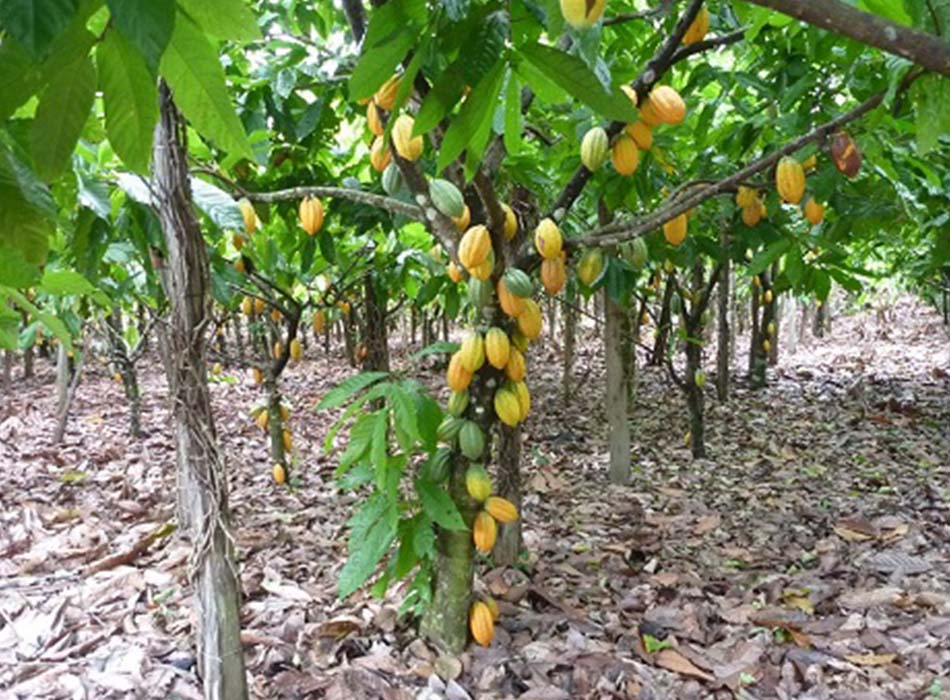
[[508, 484], [723, 327], [375, 336], [616, 398], [570, 340], [68, 374], [663, 326]]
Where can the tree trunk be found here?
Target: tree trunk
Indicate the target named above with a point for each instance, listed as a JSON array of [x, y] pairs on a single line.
[[761, 318], [7, 381], [820, 320], [694, 397], [375, 336], [28, 355], [663, 326], [126, 370], [616, 399], [724, 331], [202, 478], [773, 314], [570, 340], [68, 374], [508, 484]]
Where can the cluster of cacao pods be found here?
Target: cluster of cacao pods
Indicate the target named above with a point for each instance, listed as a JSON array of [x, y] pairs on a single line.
[[752, 206]]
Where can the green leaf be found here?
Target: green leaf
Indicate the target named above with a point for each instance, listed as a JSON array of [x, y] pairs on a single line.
[[60, 117], [147, 24], [223, 19], [572, 75], [379, 448], [130, 97], [932, 95], [514, 119], [15, 271], [889, 9], [219, 206], [443, 96], [766, 257], [19, 78], [94, 195], [26, 210], [474, 119], [439, 506], [373, 530], [193, 70], [376, 65], [483, 47], [361, 434], [35, 23], [349, 388], [404, 417], [439, 347], [52, 323], [64, 282]]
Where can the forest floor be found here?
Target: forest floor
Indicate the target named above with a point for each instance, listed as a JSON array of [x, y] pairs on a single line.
[[808, 557]]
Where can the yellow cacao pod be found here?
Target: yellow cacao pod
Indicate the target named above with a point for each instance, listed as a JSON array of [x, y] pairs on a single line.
[[641, 134], [699, 27], [790, 180], [648, 114], [288, 441], [474, 247], [516, 368], [594, 148], [480, 621], [284, 413], [275, 315], [473, 351], [751, 215], [385, 96], [455, 274], [278, 350], [484, 532], [624, 155], [257, 375], [590, 266], [497, 347], [263, 418], [507, 407], [668, 105], [247, 306], [524, 398], [501, 509], [477, 483], [547, 239], [483, 272], [746, 197], [493, 606], [406, 145], [296, 350], [319, 321], [810, 163], [582, 14], [251, 222], [279, 473], [379, 155], [553, 275], [239, 266], [530, 320], [674, 230], [457, 377], [462, 222], [767, 296], [311, 215], [508, 302], [766, 346], [238, 240], [814, 211], [511, 222], [216, 368], [373, 121]]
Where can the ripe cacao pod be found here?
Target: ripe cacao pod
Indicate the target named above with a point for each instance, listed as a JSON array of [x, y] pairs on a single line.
[[471, 440], [594, 148], [251, 222], [790, 180], [484, 532], [311, 215], [446, 198], [239, 241], [455, 274], [631, 93], [624, 155], [553, 275], [507, 407], [284, 413], [524, 398], [319, 321], [464, 220], [518, 282], [751, 215], [591, 266], [814, 211], [699, 27], [457, 377], [278, 350], [288, 441], [247, 306], [279, 473], [296, 350], [810, 163], [766, 346], [667, 104], [530, 320], [516, 368], [582, 14], [497, 347], [480, 620], [239, 266], [501, 509], [479, 292], [767, 296], [392, 180], [474, 247], [648, 114], [674, 230], [448, 430], [483, 272], [385, 96], [458, 402], [406, 145], [845, 154], [511, 222], [373, 121], [275, 315], [216, 368], [477, 482], [771, 328], [641, 135], [263, 418], [257, 375], [508, 302], [379, 155], [746, 197], [547, 239], [473, 351]]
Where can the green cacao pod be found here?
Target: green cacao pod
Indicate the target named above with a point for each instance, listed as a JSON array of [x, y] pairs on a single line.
[[458, 402], [392, 180], [590, 266], [436, 468], [447, 198], [477, 482], [595, 148], [518, 283], [479, 292], [449, 429], [639, 254], [471, 440]]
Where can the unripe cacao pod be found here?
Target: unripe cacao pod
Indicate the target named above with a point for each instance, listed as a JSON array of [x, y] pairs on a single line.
[[594, 148], [674, 230], [814, 211], [524, 398], [639, 253], [582, 14], [766, 346], [385, 96], [641, 135], [501, 509], [699, 378], [518, 282], [437, 467], [379, 155], [319, 321], [480, 621], [493, 606], [477, 482], [547, 239], [296, 350], [484, 532], [457, 377], [473, 351], [497, 347], [590, 266], [699, 27], [518, 341], [392, 180], [464, 220], [767, 296], [373, 121], [508, 302], [311, 214], [446, 198], [448, 430], [455, 274], [458, 402], [507, 407], [845, 153], [624, 155], [516, 368], [667, 104], [479, 292], [471, 440], [771, 328], [279, 473], [406, 145], [511, 222], [790, 180], [553, 275], [251, 222], [474, 247], [530, 320]]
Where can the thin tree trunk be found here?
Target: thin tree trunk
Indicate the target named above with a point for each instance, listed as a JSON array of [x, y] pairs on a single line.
[[724, 340], [202, 477], [126, 369], [375, 336], [28, 355], [68, 374], [7, 383], [508, 484], [773, 324], [616, 399], [570, 340], [663, 326]]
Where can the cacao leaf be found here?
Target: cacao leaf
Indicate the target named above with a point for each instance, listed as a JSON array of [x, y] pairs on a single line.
[[372, 531], [349, 388], [439, 506], [36, 23], [223, 19], [147, 24]]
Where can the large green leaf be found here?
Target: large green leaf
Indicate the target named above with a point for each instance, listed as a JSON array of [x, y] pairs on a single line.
[[393, 29], [475, 117], [193, 70], [217, 204], [349, 388], [15, 271], [26, 209], [224, 19], [443, 96], [372, 531], [60, 117], [65, 282], [932, 94], [439, 506], [35, 23], [147, 24], [19, 77], [572, 75], [131, 100]]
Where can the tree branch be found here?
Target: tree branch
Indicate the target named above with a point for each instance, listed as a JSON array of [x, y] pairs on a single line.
[[661, 9], [394, 206], [706, 44]]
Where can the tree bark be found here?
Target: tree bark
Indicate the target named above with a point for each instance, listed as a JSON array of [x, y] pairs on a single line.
[[202, 478], [375, 334], [663, 326], [68, 374], [616, 399], [570, 340], [7, 380], [126, 370], [724, 330], [508, 484]]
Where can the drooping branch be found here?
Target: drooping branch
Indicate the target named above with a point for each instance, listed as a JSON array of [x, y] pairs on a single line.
[[706, 44], [394, 206], [661, 9], [922, 48]]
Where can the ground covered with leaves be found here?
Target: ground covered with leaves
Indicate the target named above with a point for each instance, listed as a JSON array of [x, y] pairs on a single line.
[[808, 557]]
